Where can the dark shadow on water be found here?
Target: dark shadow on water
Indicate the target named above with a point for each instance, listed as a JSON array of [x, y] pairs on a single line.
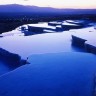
[[11, 60], [78, 48]]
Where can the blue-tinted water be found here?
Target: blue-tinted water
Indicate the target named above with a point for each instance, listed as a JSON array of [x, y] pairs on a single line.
[[60, 74], [16, 42]]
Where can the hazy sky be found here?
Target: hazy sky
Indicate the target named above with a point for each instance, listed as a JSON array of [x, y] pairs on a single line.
[[54, 3]]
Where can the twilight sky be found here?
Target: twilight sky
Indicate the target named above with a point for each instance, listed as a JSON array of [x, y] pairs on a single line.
[[54, 3]]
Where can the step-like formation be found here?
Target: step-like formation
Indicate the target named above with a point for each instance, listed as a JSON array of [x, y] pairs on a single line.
[[86, 40]]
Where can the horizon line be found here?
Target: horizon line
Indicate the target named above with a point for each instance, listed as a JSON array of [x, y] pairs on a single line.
[[47, 6]]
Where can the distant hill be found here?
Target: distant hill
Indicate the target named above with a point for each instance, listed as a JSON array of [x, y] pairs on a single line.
[[20, 8]]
